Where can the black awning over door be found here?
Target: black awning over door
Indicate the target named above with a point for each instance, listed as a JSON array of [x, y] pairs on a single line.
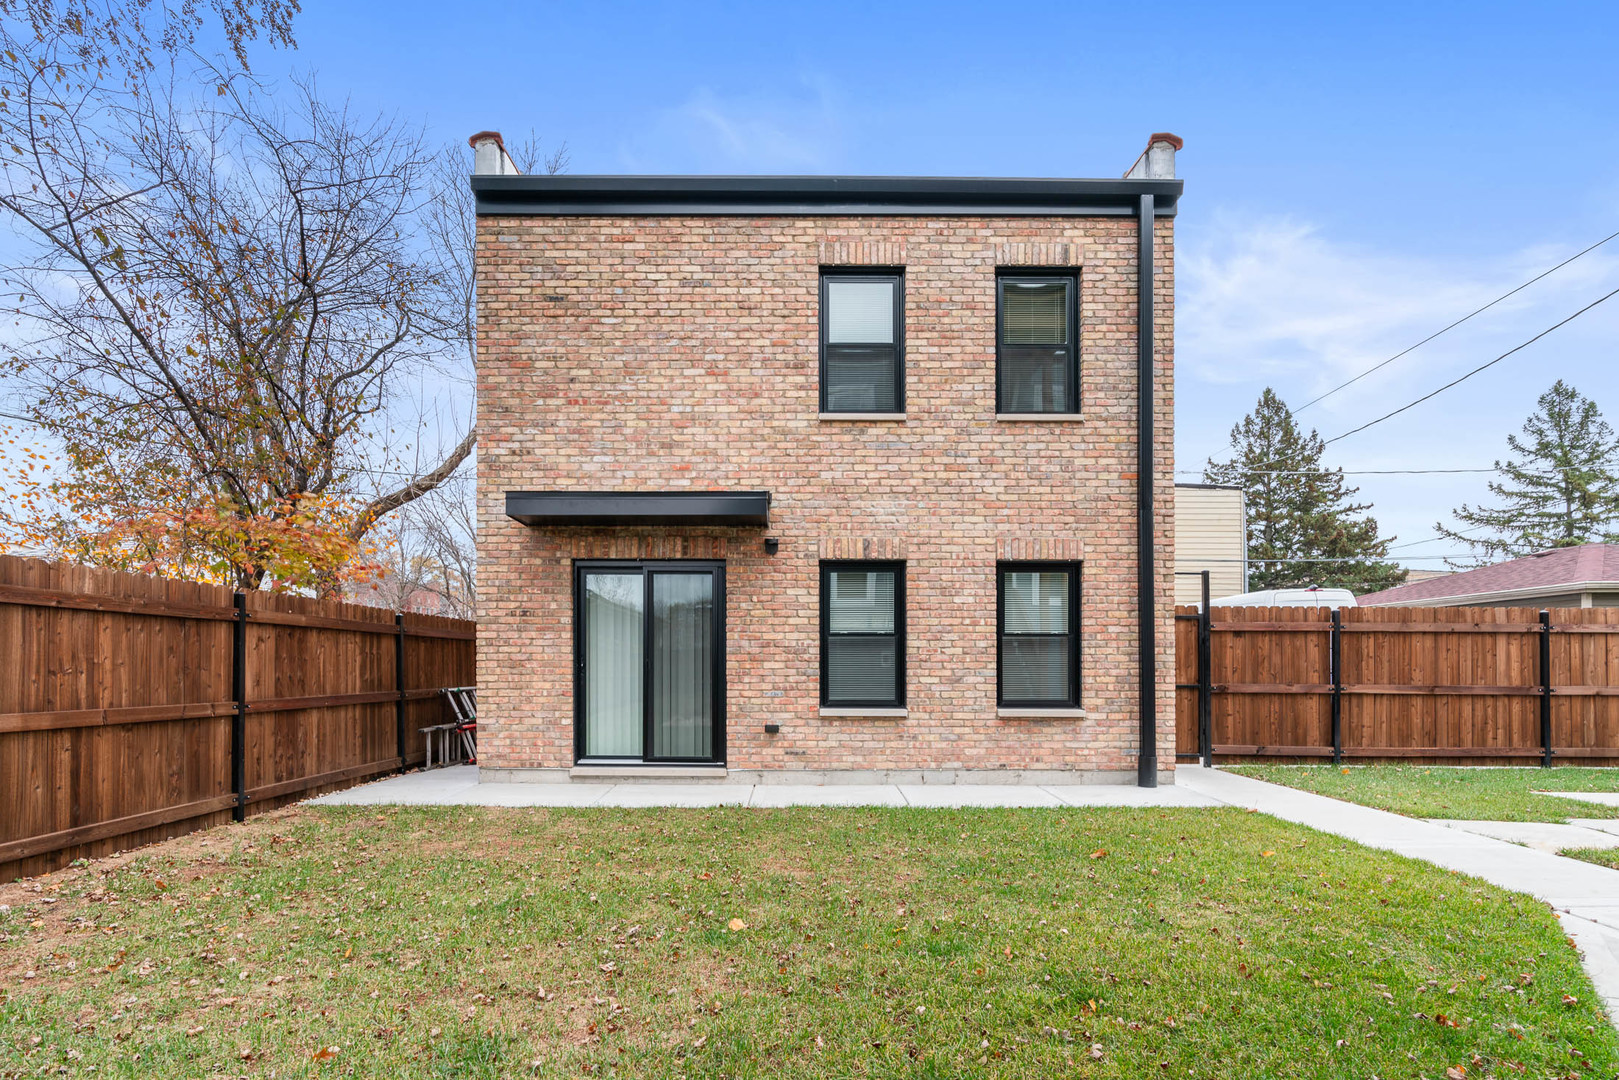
[[639, 507]]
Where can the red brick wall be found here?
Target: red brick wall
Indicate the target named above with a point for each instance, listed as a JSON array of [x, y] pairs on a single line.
[[673, 353]]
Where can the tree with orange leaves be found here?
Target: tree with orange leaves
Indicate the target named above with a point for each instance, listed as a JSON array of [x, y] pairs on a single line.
[[221, 308]]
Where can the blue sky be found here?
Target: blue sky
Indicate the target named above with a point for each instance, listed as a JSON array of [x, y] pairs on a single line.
[[1357, 175]]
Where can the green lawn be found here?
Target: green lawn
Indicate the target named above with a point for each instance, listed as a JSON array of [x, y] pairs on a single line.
[[1600, 856], [1434, 791], [745, 943]]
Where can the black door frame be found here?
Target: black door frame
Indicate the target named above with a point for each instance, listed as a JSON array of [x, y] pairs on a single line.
[[647, 568]]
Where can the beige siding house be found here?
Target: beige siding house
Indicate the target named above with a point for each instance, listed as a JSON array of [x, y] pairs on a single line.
[[1210, 534]]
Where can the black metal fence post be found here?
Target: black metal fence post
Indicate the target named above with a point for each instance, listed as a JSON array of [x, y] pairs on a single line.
[[1545, 689], [399, 685], [1335, 654], [1205, 678], [238, 720]]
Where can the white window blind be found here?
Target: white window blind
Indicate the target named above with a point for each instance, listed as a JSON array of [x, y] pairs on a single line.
[[860, 312], [1037, 603], [1035, 313]]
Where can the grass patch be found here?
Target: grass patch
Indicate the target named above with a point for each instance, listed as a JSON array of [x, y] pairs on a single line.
[[1601, 856], [454, 942], [1468, 794]]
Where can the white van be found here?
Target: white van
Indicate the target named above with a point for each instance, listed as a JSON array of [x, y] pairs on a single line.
[[1314, 597]]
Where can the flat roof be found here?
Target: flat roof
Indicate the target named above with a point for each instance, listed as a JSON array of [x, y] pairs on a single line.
[[568, 195]]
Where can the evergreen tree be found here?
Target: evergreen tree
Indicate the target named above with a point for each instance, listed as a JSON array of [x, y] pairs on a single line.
[[1561, 490], [1298, 511]]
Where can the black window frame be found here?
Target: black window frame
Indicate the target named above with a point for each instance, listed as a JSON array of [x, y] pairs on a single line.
[[898, 568], [1028, 275], [890, 274], [1075, 593], [647, 568]]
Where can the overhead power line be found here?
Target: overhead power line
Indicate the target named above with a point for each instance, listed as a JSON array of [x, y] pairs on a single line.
[[1377, 472], [1463, 378], [1454, 325], [1321, 560]]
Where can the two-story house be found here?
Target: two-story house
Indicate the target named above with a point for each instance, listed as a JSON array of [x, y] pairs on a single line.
[[825, 478]]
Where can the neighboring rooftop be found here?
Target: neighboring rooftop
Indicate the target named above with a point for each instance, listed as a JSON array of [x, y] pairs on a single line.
[[1569, 571]]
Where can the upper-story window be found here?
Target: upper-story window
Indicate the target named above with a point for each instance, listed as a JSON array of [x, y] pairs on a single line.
[[1036, 343], [862, 341]]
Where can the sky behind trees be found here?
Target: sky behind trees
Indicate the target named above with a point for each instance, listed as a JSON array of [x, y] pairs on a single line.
[[1357, 177]]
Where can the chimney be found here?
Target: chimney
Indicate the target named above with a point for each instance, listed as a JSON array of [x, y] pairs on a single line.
[[1157, 161], [489, 157]]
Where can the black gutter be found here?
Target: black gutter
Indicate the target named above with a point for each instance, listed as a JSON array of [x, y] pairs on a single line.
[[818, 195], [1146, 526]]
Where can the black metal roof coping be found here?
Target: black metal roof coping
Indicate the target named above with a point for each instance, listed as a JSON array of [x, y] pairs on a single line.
[[561, 196], [639, 507]]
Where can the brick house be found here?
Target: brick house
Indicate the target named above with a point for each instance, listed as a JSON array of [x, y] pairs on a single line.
[[825, 478]]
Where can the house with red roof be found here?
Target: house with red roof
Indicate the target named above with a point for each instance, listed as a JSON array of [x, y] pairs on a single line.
[[1583, 576]]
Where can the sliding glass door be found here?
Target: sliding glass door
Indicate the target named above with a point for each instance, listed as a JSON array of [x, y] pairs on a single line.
[[650, 661]]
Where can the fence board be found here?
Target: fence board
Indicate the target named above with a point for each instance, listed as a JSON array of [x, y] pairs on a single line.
[[115, 718], [1462, 684]]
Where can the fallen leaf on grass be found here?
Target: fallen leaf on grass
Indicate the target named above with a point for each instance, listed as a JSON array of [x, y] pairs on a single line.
[[736, 925], [1098, 854], [1096, 1051], [1456, 1072], [1570, 999], [326, 1053], [1266, 854]]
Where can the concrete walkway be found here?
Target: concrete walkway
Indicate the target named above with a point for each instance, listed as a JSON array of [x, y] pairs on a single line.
[[458, 786], [1606, 798], [1585, 896], [1543, 835]]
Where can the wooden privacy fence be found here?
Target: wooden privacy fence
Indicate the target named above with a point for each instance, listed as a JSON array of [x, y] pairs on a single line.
[[1464, 685], [133, 708]]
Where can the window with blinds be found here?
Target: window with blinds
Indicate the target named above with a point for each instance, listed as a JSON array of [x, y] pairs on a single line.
[[862, 342], [1039, 634], [863, 634], [1036, 344]]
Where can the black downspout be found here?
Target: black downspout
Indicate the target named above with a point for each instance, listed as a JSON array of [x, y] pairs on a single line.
[[1146, 528]]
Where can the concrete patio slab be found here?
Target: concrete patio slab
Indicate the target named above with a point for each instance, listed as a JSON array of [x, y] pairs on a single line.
[[1540, 835], [458, 785], [679, 795], [1583, 895], [1606, 798]]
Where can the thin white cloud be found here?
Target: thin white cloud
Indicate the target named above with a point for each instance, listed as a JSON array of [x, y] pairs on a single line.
[[710, 132], [1280, 302]]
